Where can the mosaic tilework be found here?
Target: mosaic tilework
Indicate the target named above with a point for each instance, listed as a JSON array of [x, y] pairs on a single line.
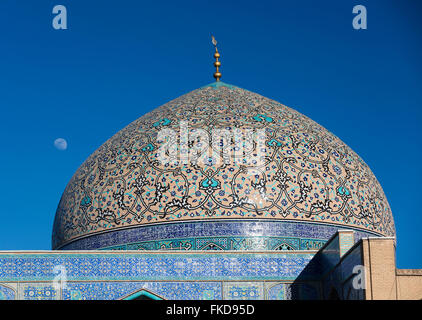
[[118, 290], [6, 293], [154, 266], [224, 235], [309, 290], [229, 243], [346, 242], [114, 275], [170, 290], [243, 290], [173, 290], [278, 291], [93, 275], [308, 174], [38, 291]]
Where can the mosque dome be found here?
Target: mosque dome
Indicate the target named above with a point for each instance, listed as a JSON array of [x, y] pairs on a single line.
[[307, 185]]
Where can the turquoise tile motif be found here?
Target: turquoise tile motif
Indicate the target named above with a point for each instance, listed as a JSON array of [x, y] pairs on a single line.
[[6, 293], [39, 293], [215, 235], [280, 291], [243, 290], [157, 266], [119, 290]]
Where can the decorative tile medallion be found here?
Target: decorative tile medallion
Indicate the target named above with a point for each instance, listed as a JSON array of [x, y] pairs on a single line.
[[243, 290]]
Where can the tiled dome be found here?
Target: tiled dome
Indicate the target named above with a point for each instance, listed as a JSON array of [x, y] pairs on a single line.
[[309, 185]]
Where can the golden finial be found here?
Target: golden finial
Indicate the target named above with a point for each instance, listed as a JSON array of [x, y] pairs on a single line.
[[217, 64]]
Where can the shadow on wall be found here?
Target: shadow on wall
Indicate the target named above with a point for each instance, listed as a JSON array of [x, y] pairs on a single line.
[[330, 273], [307, 285]]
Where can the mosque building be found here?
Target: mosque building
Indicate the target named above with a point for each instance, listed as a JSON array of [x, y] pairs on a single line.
[[305, 220]]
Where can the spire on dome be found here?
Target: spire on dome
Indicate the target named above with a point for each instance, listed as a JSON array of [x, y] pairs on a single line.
[[217, 64]]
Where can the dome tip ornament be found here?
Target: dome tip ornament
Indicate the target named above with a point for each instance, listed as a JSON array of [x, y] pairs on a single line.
[[217, 64]]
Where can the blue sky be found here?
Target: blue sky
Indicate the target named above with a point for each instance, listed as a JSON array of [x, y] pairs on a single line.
[[119, 59]]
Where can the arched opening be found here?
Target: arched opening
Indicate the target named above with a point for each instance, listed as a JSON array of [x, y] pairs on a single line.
[[211, 246], [143, 295]]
